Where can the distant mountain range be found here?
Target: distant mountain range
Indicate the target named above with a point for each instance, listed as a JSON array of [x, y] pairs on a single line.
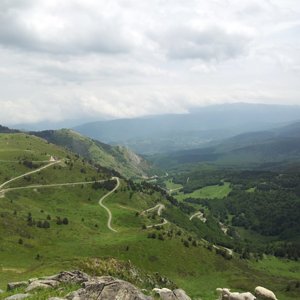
[[165, 133], [253, 148]]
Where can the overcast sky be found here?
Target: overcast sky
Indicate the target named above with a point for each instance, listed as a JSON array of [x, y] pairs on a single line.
[[123, 58]]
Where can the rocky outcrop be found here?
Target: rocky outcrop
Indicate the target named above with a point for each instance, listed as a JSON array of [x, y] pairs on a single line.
[[18, 297], [102, 288], [15, 285], [92, 287]]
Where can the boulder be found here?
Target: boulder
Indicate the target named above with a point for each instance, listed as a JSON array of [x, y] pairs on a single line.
[[18, 297], [14, 285], [104, 288], [42, 284]]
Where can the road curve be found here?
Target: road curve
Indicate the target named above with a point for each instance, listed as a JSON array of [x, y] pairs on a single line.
[[29, 173], [105, 207], [159, 207]]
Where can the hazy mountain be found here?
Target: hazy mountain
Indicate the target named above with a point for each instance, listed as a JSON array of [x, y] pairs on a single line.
[[253, 148], [165, 133]]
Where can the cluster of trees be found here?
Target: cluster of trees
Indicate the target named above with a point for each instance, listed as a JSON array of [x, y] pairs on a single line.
[[45, 223], [29, 164], [40, 223], [108, 185]]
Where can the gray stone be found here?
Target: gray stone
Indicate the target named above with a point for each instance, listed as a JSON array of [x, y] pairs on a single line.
[[42, 284], [70, 277], [56, 298], [14, 285], [107, 288], [18, 297]]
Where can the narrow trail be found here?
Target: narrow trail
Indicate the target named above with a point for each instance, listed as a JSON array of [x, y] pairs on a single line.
[[41, 186], [29, 173], [105, 207], [165, 221], [199, 215], [159, 207]]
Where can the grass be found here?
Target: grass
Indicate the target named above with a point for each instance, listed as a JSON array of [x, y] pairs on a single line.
[[208, 192], [170, 185], [62, 247]]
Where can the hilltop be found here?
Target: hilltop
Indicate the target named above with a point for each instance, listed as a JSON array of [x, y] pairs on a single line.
[[118, 158]]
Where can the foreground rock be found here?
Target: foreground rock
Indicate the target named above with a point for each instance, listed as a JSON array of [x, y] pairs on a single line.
[[102, 288], [18, 297], [92, 288]]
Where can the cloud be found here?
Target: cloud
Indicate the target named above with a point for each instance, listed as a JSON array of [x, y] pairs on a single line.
[[69, 29], [123, 58], [209, 44]]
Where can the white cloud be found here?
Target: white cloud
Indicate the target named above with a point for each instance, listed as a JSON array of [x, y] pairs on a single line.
[[124, 58]]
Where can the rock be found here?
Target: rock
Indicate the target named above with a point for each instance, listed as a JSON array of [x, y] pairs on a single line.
[[70, 277], [14, 285], [18, 297], [1, 291], [104, 288], [32, 280], [42, 284], [56, 298]]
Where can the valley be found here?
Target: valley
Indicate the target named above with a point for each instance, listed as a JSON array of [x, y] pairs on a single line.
[[50, 219]]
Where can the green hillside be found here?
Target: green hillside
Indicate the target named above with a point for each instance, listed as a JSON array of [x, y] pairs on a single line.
[[46, 226], [117, 158]]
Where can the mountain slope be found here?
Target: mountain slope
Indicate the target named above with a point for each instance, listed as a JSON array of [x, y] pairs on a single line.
[[254, 148], [118, 158], [165, 133]]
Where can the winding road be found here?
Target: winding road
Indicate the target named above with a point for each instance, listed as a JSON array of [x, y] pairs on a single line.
[[198, 215], [105, 207], [29, 173], [159, 207]]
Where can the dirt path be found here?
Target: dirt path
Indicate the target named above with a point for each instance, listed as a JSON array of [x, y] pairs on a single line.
[[199, 215], [105, 207], [29, 173], [159, 207], [41, 186]]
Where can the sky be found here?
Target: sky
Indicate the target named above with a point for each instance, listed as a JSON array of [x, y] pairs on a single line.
[[98, 59]]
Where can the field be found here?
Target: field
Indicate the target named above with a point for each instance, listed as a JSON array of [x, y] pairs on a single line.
[[208, 192]]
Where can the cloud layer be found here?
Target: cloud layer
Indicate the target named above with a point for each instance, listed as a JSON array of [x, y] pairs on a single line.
[[123, 58]]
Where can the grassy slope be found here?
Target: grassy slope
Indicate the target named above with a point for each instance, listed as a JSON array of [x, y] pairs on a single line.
[[195, 269], [209, 192], [117, 158]]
